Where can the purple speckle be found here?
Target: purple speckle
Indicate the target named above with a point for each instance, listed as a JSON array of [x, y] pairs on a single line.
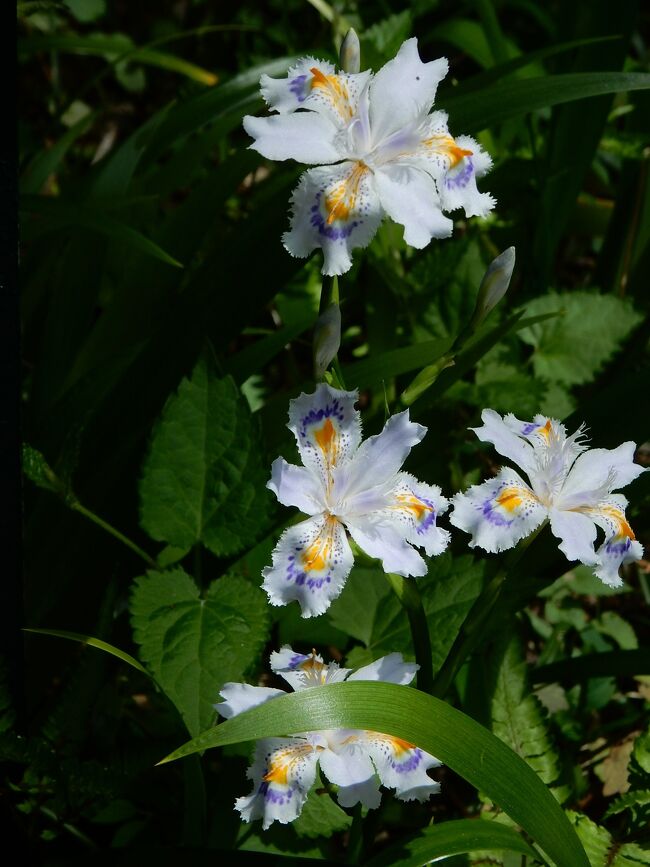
[[331, 410], [429, 517], [300, 579], [618, 548], [299, 87], [461, 178], [528, 428], [319, 222], [410, 764], [273, 796], [493, 516]]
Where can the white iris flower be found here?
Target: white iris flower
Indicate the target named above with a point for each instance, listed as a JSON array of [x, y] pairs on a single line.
[[569, 484], [377, 150], [284, 769], [345, 483]]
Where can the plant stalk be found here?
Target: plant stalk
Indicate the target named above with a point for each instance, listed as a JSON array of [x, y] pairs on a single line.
[[78, 507], [408, 593]]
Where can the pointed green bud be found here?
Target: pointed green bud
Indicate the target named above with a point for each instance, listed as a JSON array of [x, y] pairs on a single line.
[[327, 339], [350, 53], [493, 286]]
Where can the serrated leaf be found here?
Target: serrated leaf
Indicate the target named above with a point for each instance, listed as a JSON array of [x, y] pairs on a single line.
[[456, 739], [321, 817], [518, 716], [602, 850], [193, 644], [572, 348], [38, 471], [369, 611], [203, 479], [628, 800]]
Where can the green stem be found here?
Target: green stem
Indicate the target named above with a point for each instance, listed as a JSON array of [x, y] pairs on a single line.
[[408, 593], [78, 507], [327, 331], [355, 840], [469, 635], [195, 814]]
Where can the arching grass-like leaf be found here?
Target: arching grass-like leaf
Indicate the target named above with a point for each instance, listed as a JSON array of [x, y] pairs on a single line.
[[451, 838], [458, 741], [92, 642]]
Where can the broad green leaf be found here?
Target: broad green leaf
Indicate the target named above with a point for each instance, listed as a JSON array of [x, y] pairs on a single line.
[[518, 716], [48, 160], [458, 741], [602, 850], [321, 816], [381, 41], [615, 662], [483, 108], [92, 642], [451, 838], [203, 479], [53, 215], [369, 611], [193, 644], [627, 801], [394, 362], [573, 347]]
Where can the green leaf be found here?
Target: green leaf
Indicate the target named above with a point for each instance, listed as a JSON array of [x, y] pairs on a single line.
[[488, 106], [321, 816], [47, 161], [517, 715], [451, 838], [203, 479], [92, 642], [458, 741], [369, 611], [38, 471], [616, 662], [86, 10], [54, 215], [194, 644], [627, 801], [602, 850], [394, 362], [572, 348]]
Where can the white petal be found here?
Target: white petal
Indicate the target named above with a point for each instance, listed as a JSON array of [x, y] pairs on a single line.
[[402, 766], [381, 540], [296, 486], [303, 671], [413, 509], [403, 90], [239, 697], [600, 471], [620, 545], [351, 769], [498, 513], [337, 209], [500, 433], [310, 563], [410, 198], [288, 94], [458, 187], [305, 136], [283, 772], [577, 534], [388, 669], [379, 458], [327, 429]]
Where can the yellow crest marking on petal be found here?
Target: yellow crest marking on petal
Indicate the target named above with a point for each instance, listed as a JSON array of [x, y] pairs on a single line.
[[317, 556], [335, 89], [282, 763], [277, 773], [617, 516], [341, 201], [510, 499], [545, 430], [447, 146], [411, 503], [400, 746]]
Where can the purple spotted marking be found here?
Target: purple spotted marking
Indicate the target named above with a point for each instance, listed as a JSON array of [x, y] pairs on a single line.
[[618, 547], [429, 517], [528, 428], [300, 579], [319, 222], [330, 410], [299, 88], [273, 796], [410, 764], [297, 659], [492, 515], [462, 178]]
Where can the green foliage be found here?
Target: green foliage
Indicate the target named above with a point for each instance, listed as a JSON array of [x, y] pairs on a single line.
[[570, 349], [203, 480], [195, 643], [321, 816]]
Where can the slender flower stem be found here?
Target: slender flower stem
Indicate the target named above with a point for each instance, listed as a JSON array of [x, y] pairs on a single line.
[[78, 507], [327, 331], [469, 635], [355, 840], [408, 593]]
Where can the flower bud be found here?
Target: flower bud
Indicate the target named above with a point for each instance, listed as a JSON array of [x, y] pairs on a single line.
[[350, 53], [327, 339], [493, 286]]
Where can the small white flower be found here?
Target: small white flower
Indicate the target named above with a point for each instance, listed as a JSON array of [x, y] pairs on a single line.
[[570, 484], [378, 152], [284, 769], [345, 483]]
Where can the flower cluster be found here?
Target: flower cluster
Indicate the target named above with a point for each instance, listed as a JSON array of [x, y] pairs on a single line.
[[284, 769], [378, 152]]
